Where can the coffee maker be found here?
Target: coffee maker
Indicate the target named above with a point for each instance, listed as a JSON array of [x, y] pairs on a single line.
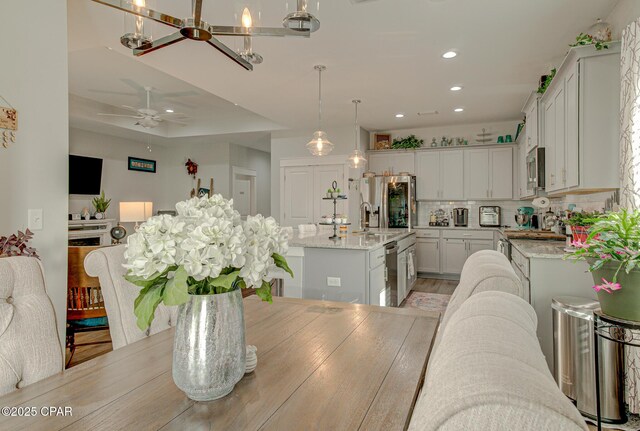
[[460, 217]]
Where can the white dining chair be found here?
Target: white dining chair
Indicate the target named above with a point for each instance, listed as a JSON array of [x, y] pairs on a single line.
[[30, 348]]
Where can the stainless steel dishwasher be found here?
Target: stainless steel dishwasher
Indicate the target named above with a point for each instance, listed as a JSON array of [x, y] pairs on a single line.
[[391, 263]]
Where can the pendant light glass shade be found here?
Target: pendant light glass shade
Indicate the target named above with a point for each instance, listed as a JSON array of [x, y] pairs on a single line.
[[320, 144], [137, 31], [356, 158]]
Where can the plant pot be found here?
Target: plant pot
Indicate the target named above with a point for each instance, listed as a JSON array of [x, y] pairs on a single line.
[[209, 350], [623, 303], [99, 216], [334, 195], [579, 233]]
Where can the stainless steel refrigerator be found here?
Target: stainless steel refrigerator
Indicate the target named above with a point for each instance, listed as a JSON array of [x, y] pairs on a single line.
[[392, 199]]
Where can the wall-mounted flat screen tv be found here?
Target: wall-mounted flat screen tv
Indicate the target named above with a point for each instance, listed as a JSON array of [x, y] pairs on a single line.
[[85, 175]]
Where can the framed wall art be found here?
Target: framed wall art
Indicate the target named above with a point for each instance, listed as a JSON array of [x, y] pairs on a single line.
[[142, 165]]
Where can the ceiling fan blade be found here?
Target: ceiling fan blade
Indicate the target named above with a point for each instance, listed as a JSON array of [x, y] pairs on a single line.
[[160, 43], [173, 114], [119, 93], [130, 108], [197, 11], [174, 121], [178, 94], [143, 12], [229, 53], [118, 115]]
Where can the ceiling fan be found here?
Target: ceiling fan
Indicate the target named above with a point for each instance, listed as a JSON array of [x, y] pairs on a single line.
[[299, 23], [148, 117]]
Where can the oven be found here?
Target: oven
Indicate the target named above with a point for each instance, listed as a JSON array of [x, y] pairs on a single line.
[[535, 169]]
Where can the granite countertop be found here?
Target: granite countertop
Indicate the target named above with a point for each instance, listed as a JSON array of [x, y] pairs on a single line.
[[351, 241], [539, 249], [456, 227]]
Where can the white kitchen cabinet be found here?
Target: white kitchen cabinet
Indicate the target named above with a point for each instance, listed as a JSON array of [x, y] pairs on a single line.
[[581, 124], [293, 285], [402, 276], [377, 285], [454, 255], [488, 173], [396, 162], [530, 138], [439, 175], [428, 254], [476, 245]]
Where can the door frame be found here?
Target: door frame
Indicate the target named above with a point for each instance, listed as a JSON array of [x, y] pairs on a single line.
[[251, 175], [308, 161]]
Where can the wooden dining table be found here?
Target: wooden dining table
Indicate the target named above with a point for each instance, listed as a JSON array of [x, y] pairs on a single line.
[[321, 366]]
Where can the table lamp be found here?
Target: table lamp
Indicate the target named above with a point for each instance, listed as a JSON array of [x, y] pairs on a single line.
[[131, 212]]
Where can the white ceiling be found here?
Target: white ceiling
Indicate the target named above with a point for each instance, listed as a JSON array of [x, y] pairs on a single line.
[[385, 52]]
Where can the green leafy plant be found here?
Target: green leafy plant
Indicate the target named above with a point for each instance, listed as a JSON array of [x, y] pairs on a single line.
[[583, 218], [101, 203], [613, 238], [586, 39], [410, 141], [543, 88]]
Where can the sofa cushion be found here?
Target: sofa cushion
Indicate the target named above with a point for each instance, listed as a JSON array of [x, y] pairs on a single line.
[[488, 373], [119, 296], [29, 345]]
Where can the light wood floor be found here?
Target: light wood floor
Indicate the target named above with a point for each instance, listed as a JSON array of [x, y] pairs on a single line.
[[431, 285]]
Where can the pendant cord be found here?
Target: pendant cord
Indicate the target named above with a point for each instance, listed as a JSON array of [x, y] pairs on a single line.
[[356, 125], [319, 99]]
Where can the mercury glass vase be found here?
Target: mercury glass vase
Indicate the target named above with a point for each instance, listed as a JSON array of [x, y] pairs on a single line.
[[209, 351]]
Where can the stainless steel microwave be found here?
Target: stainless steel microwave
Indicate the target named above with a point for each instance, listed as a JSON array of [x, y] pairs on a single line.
[[535, 169]]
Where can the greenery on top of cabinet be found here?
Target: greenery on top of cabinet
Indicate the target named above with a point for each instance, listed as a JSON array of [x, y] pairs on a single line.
[[410, 141], [586, 39], [547, 81]]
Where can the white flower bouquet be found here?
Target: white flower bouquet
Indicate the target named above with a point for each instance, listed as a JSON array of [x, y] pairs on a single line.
[[205, 249]]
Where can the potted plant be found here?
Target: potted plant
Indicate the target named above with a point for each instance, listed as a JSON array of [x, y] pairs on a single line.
[[335, 193], [580, 224], [17, 245], [329, 191], [612, 250], [101, 204], [408, 142], [199, 260]]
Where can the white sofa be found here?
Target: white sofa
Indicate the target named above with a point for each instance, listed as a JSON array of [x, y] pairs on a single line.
[[487, 371]]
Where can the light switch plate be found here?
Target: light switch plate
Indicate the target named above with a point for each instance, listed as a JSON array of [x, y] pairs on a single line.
[[35, 220], [333, 281]]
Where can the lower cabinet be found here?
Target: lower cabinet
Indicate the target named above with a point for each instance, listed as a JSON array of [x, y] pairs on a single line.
[[428, 254], [446, 251], [377, 285]]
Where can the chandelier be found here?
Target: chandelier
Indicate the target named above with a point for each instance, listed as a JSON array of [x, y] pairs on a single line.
[[356, 159], [297, 24]]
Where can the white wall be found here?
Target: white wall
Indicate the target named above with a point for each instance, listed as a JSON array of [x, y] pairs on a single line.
[[622, 15], [465, 131], [259, 161], [118, 182], [34, 79]]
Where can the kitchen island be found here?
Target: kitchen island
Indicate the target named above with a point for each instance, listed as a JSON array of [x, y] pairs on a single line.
[[349, 269]]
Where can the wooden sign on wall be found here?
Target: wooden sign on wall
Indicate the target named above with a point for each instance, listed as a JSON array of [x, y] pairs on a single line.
[[8, 118]]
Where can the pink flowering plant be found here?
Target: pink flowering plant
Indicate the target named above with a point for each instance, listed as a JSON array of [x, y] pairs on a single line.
[[614, 239]]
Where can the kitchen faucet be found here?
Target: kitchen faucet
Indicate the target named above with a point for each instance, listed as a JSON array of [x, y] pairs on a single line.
[[364, 224]]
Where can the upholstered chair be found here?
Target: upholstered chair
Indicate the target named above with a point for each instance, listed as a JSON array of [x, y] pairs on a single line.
[[30, 349], [119, 296]]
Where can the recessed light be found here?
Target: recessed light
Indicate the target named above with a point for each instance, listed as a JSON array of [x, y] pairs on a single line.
[[458, 110], [169, 111], [449, 54], [399, 115], [456, 88]]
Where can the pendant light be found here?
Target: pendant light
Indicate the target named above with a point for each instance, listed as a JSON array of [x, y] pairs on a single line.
[[356, 159], [320, 144]]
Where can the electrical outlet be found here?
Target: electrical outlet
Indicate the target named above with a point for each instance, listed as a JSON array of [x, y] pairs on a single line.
[[35, 220], [333, 281]]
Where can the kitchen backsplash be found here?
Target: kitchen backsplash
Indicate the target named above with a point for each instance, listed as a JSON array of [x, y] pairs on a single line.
[[590, 202], [507, 208]]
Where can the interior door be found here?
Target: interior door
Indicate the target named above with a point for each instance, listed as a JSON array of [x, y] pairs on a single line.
[[452, 174], [298, 199], [501, 173], [476, 174], [242, 196], [323, 177], [428, 175]]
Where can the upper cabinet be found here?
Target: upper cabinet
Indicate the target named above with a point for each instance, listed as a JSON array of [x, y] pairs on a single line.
[[580, 122], [439, 174], [529, 139], [488, 173], [396, 162]]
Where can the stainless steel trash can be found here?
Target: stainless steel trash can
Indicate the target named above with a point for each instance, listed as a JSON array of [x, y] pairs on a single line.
[[574, 364]]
